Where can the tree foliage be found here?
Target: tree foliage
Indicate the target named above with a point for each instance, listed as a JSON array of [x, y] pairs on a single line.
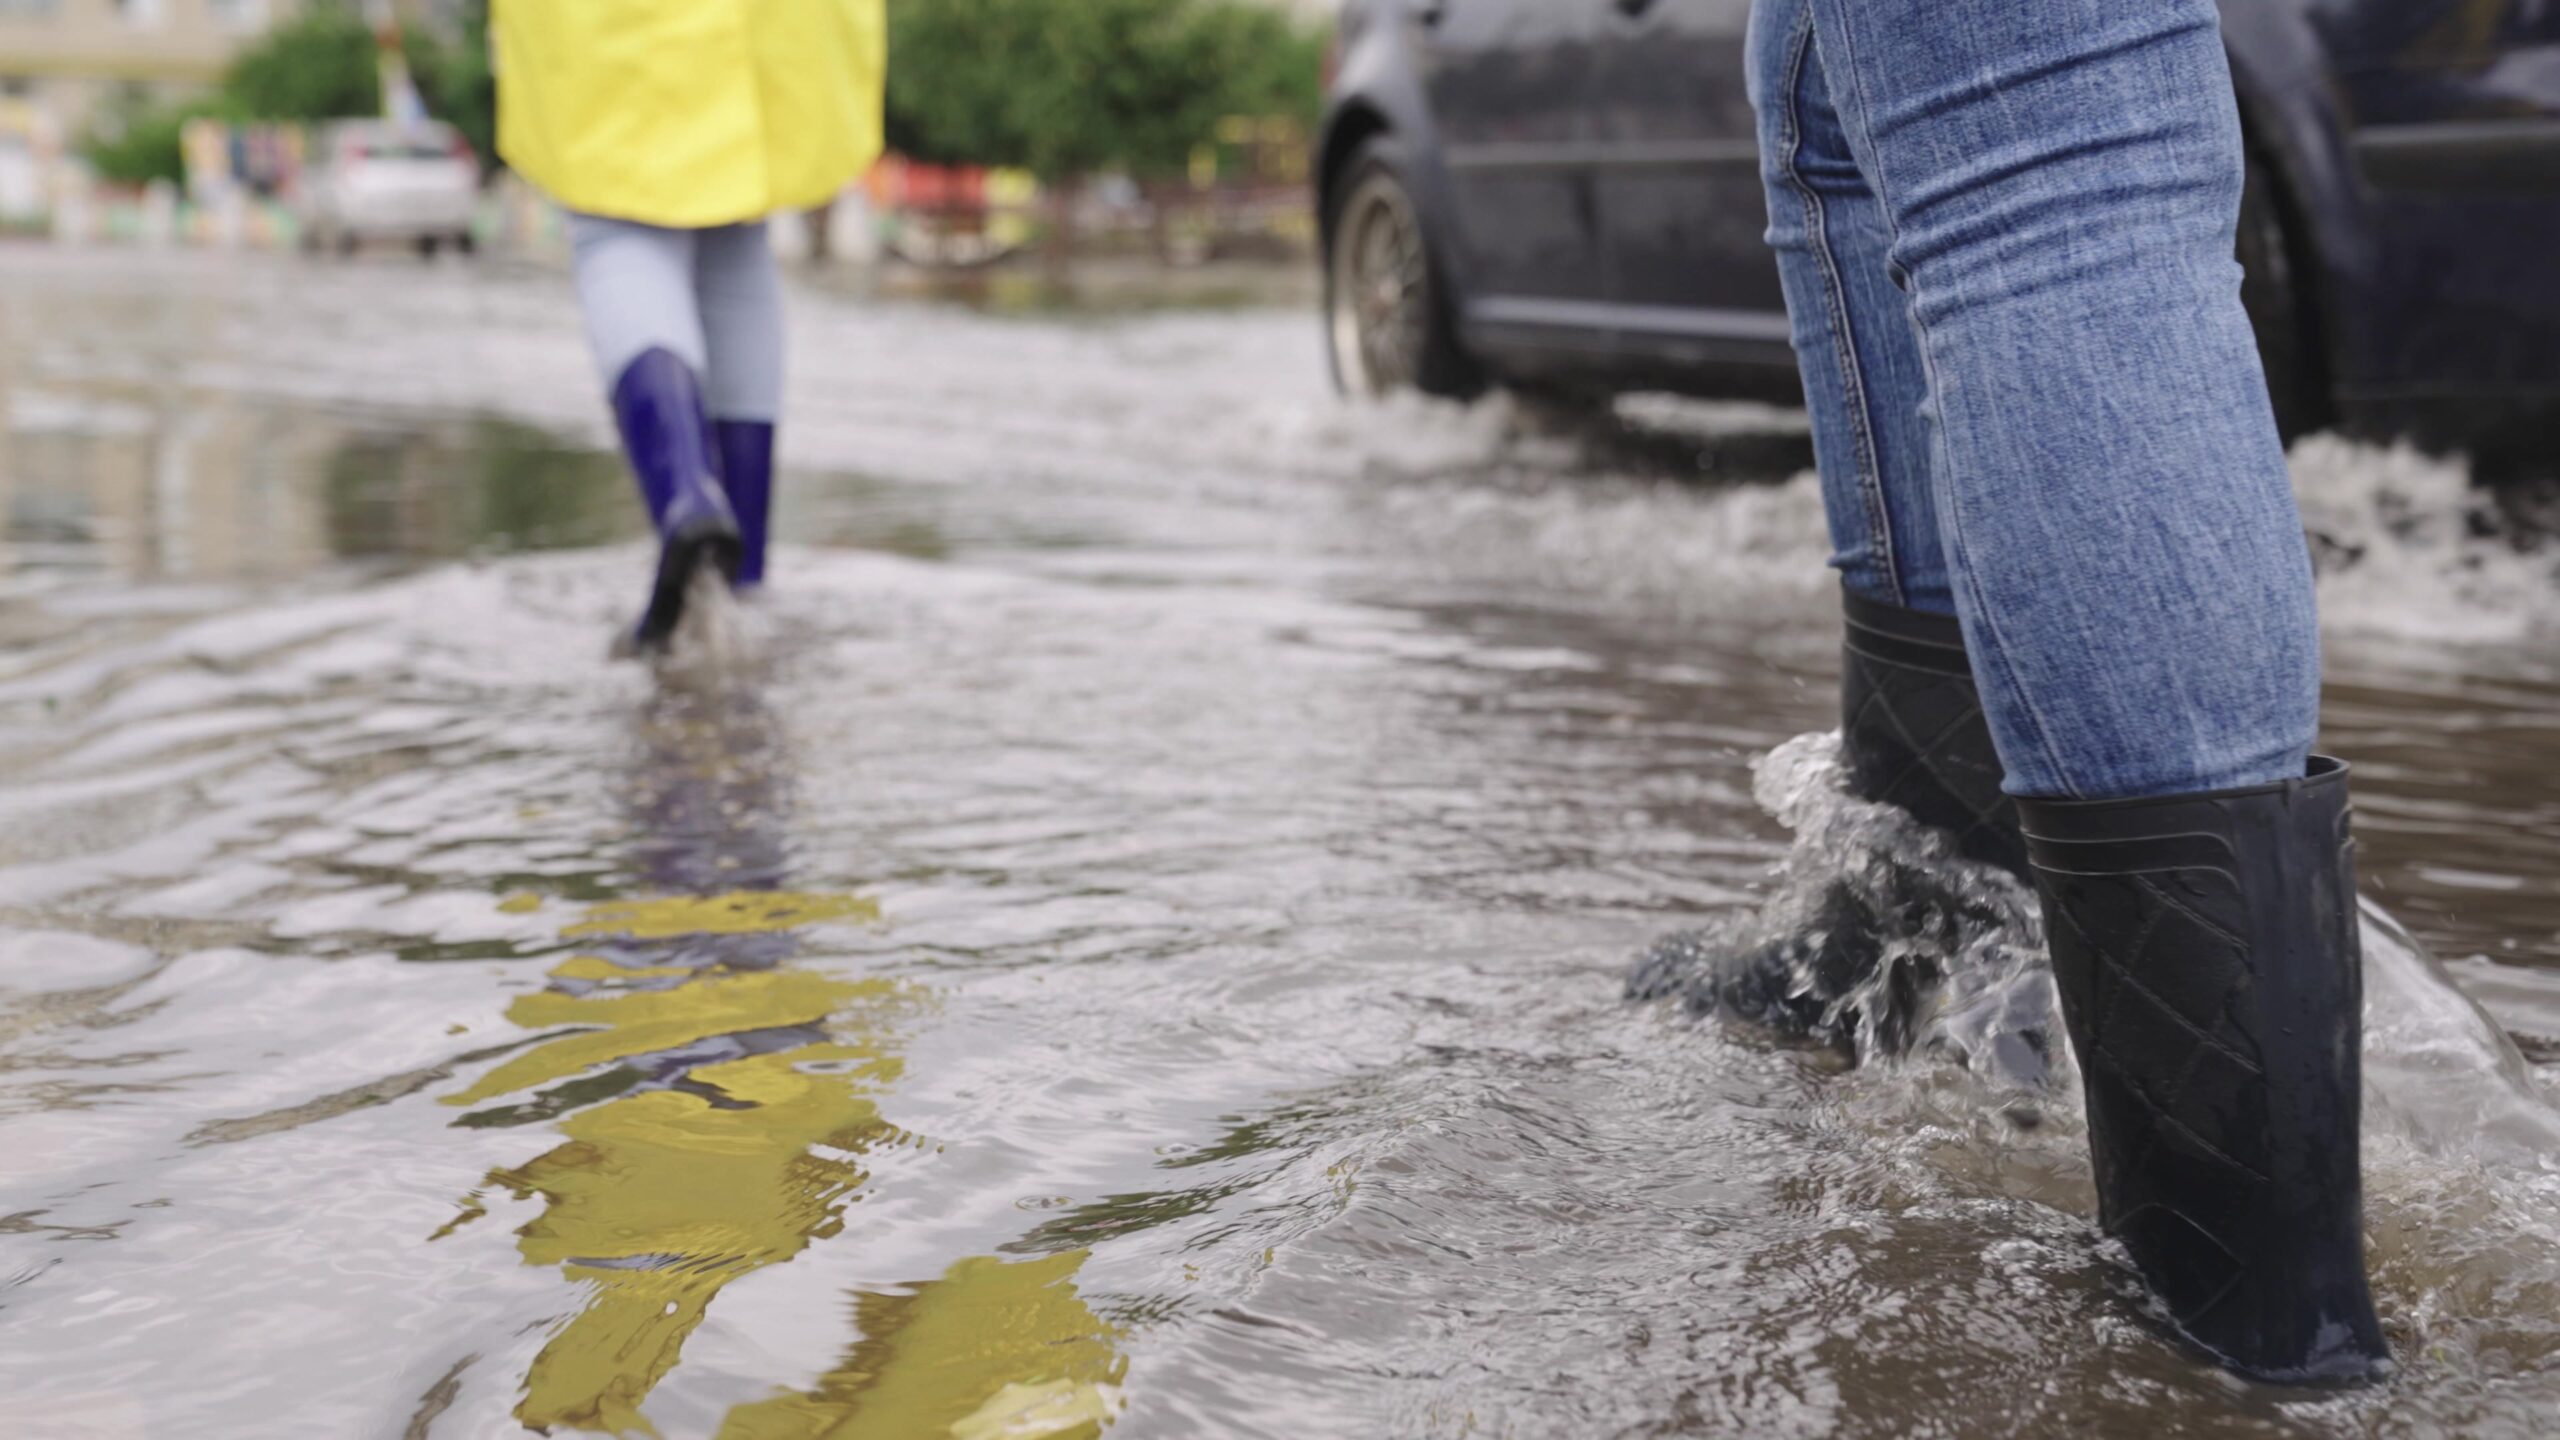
[[320, 65], [1069, 87], [136, 142], [1058, 87], [455, 80]]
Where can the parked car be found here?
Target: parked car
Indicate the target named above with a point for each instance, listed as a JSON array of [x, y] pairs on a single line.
[[370, 180], [1565, 194]]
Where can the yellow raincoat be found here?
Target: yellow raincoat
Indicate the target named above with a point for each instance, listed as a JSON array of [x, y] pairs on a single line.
[[689, 113]]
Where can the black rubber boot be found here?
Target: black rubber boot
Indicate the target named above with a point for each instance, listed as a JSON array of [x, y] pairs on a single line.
[[1912, 727], [1913, 736], [2207, 954]]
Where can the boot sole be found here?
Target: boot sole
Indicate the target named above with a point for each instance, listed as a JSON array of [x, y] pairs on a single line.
[[679, 560]]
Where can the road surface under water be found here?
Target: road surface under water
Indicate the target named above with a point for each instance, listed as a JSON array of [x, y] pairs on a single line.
[[1132, 931]]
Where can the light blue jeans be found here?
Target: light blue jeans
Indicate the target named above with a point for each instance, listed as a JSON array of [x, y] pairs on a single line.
[[2005, 229], [711, 297]]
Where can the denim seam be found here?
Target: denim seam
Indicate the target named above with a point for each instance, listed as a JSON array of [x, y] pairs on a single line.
[[1844, 345], [1950, 517]]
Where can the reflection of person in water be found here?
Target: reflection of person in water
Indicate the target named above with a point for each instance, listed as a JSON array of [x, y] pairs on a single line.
[[992, 1349], [718, 1107]]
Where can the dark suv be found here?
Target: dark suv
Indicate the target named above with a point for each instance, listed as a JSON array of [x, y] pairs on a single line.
[[1565, 194]]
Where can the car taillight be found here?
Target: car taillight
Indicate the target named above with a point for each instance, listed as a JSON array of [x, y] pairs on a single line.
[[462, 149], [1332, 59]]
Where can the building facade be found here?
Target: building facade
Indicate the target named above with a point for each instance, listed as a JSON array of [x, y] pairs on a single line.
[[66, 58]]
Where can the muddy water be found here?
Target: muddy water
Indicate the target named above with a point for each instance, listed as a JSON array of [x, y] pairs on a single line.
[[1130, 933]]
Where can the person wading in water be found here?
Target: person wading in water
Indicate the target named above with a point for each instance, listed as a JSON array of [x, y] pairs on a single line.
[[670, 129], [2080, 620]]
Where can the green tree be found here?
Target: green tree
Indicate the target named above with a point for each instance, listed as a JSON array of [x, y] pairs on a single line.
[[320, 65], [455, 80], [1065, 88], [323, 64], [136, 141]]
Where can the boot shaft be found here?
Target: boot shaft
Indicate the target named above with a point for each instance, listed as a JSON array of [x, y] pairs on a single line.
[[1913, 727], [745, 452], [2206, 952], [657, 406]]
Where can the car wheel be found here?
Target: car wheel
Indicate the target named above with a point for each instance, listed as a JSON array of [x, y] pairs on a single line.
[[346, 243], [427, 246], [465, 243], [2271, 291], [1387, 311]]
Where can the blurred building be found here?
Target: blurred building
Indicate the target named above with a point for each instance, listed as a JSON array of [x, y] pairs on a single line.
[[63, 59]]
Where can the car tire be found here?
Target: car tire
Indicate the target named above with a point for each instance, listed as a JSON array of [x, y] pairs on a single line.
[[1389, 322], [465, 243], [2271, 290], [427, 246]]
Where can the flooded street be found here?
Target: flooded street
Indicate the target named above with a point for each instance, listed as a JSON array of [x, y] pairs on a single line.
[[1132, 931]]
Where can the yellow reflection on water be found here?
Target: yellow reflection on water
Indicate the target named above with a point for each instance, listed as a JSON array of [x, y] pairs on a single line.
[[991, 1351], [710, 1003], [736, 1136], [717, 1120], [753, 912]]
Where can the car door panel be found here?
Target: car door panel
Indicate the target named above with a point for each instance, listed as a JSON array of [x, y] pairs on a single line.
[[2453, 110], [1678, 185], [1509, 88]]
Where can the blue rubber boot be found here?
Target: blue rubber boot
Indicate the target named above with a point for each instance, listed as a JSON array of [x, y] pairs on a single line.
[[658, 404], [746, 472]]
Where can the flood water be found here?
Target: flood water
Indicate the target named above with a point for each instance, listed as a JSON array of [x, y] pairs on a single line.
[[1131, 933]]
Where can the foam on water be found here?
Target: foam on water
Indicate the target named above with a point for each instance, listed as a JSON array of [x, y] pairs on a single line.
[[2408, 547]]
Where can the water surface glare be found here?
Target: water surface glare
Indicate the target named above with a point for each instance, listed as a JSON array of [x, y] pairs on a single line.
[[1130, 934]]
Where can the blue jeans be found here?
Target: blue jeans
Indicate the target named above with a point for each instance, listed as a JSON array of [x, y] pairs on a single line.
[[2005, 229]]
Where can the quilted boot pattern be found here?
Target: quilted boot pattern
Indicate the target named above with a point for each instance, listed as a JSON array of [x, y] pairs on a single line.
[[1913, 736], [1914, 730], [2206, 952]]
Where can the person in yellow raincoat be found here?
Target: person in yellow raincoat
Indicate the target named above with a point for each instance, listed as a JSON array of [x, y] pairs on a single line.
[[670, 129]]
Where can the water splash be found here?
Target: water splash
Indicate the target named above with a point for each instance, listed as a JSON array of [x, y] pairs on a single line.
[[1877, 936], [721, 636], [2440, 1074], [2409, 547]]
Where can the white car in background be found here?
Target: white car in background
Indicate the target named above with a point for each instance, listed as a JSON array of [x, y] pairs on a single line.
[[370, 180]]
